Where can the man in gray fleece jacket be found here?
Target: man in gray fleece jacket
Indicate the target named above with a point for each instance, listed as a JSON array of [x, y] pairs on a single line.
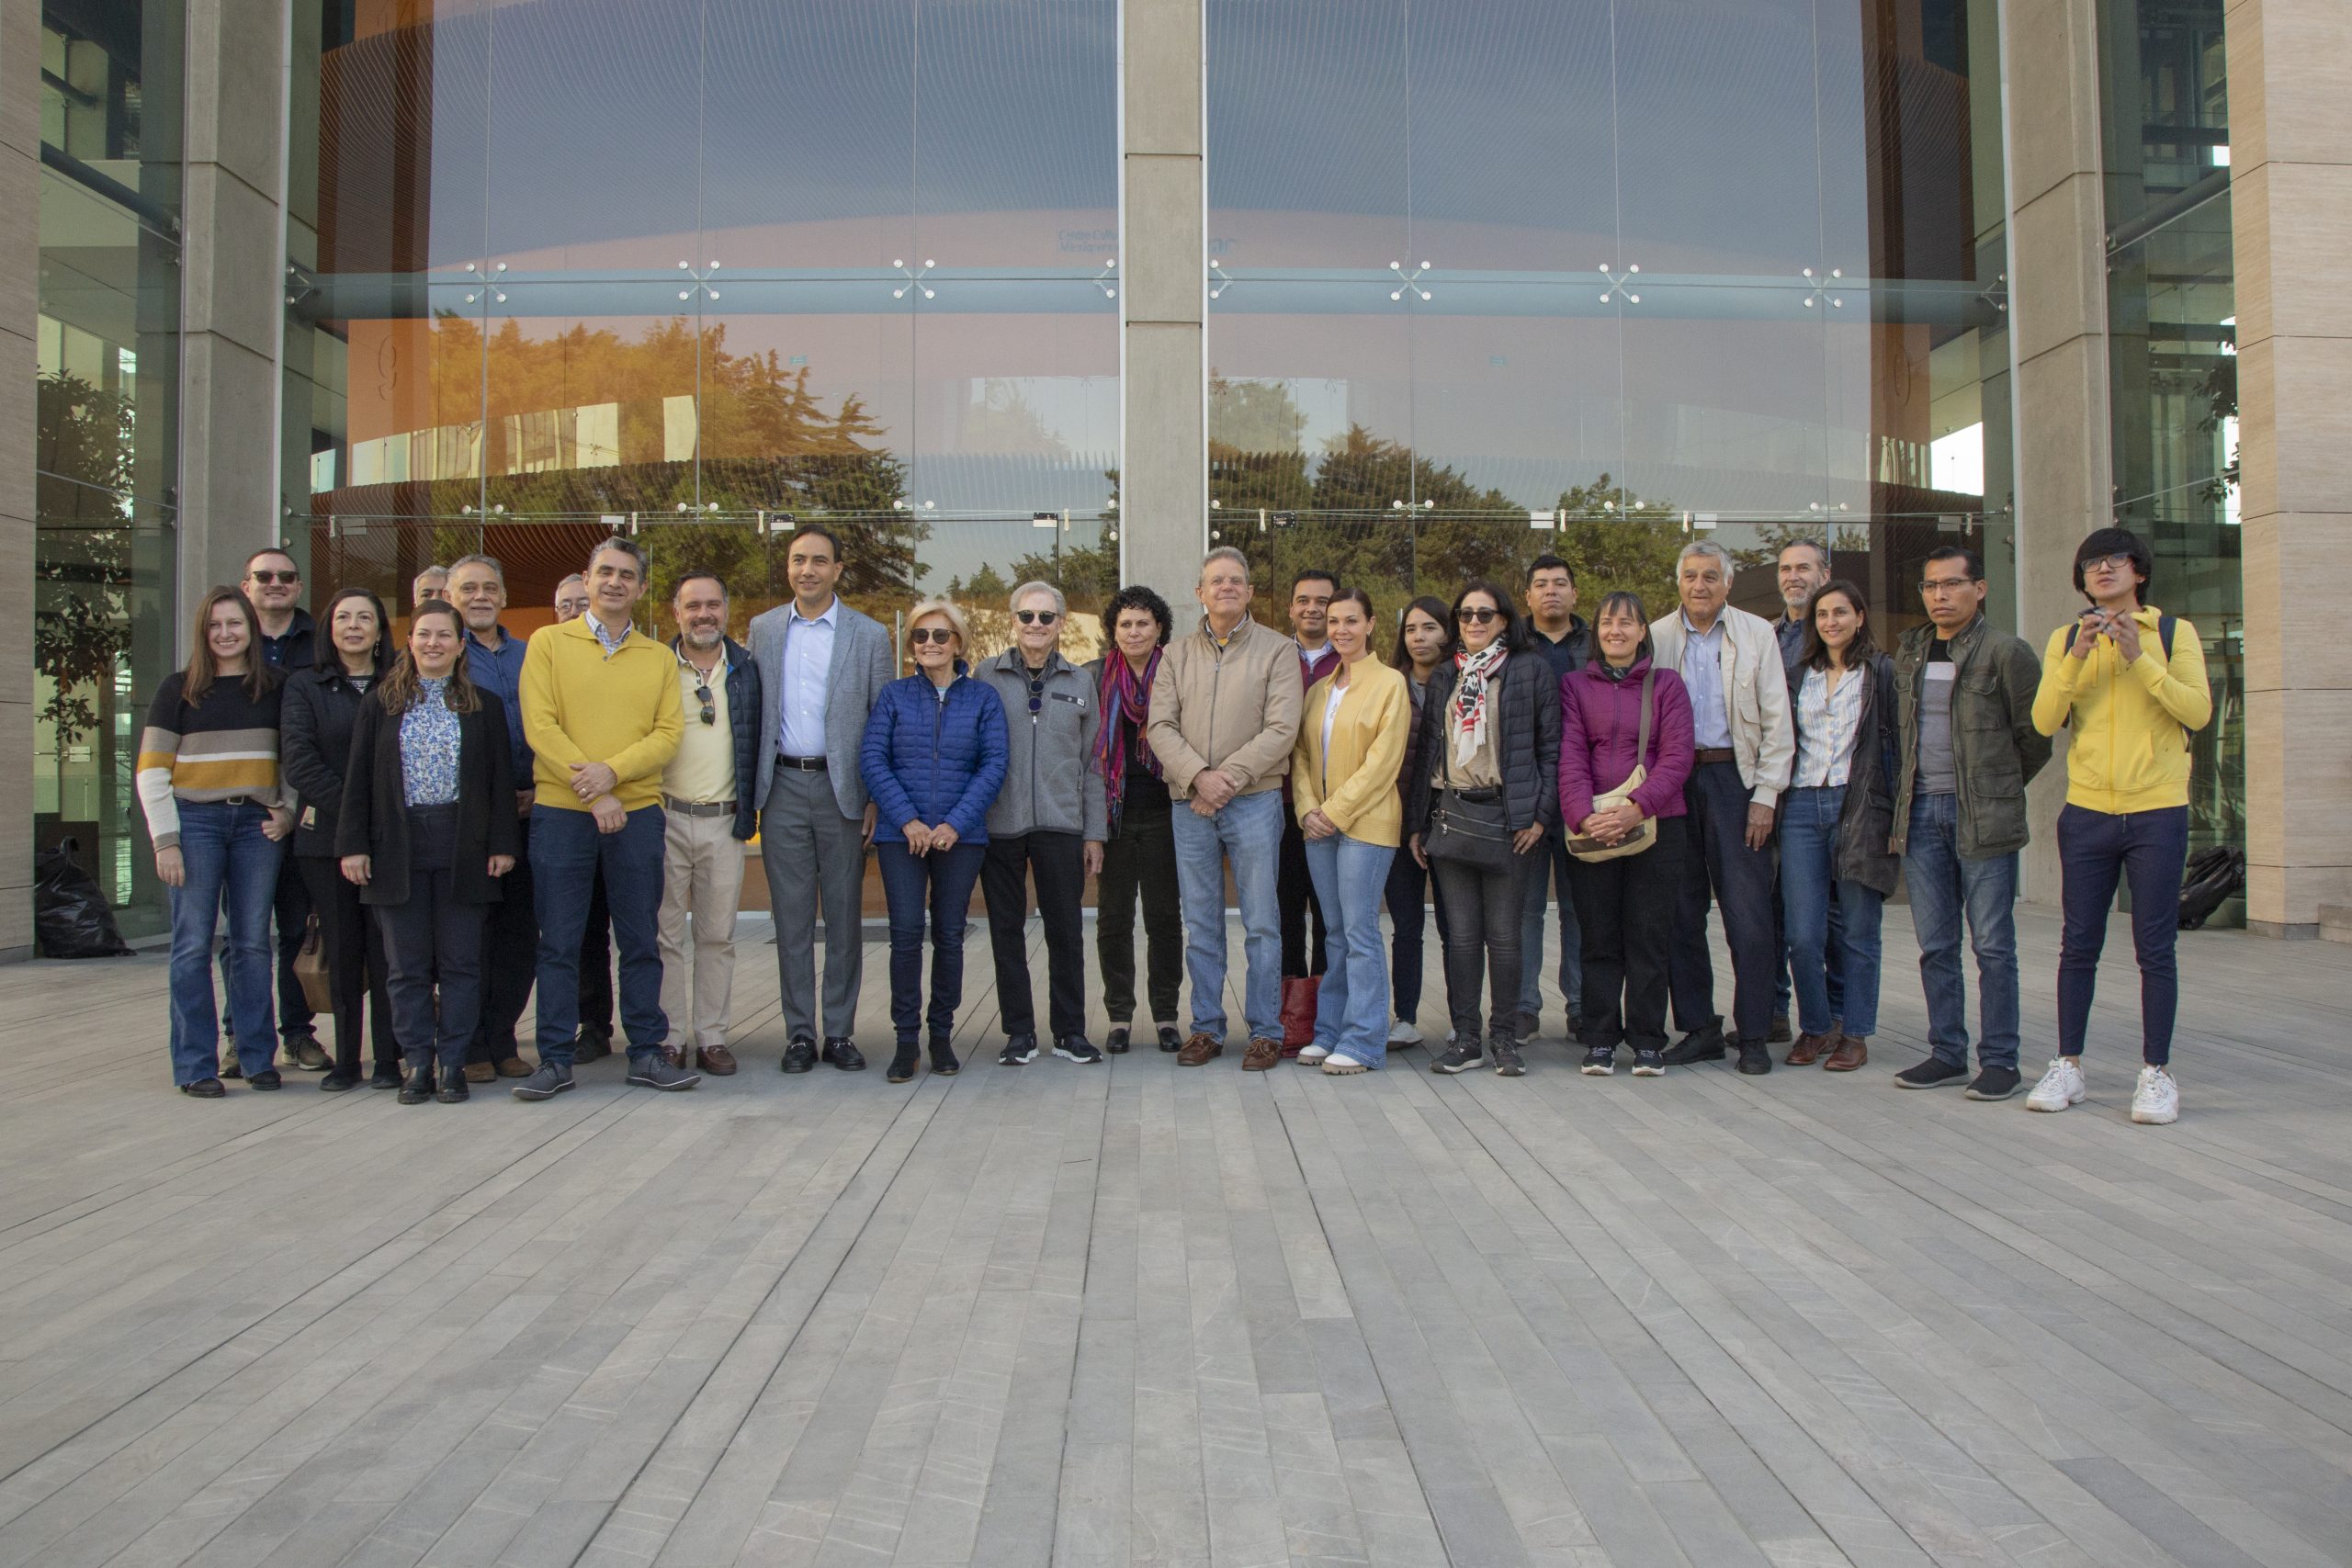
[[1049, 824]]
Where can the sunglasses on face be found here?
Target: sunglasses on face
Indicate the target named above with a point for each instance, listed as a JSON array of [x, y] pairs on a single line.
[[266, 578], [942, 635], [1479, 617], [1036, 617]]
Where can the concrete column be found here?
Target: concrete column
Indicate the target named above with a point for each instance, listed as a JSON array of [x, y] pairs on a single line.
[[2290, 194], [232, 289], [2058, 320], [1163, 484], [19, 309]]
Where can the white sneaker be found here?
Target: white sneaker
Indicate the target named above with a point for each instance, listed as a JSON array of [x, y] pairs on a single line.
[[2061, 1086], [2156, 1101], [1341, 1064], [1404, 1032], [1311, 1054]]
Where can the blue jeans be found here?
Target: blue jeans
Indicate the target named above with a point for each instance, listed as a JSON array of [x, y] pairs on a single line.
[[1547, 883], [1821, 947], [2096, 850], [943, 879], [1352, 1007], [1945, 887], [566, 853], [1248, 832], [230, 864], [1412, 892]]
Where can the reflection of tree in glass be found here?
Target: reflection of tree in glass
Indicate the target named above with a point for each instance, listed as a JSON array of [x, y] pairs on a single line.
[[1631, 548], [81, 616]]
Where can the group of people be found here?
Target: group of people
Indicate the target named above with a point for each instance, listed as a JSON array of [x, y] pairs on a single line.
[[470, 815]]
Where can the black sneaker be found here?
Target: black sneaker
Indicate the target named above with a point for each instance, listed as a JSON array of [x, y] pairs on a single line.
[[1934, 1072], [843, 1054], [1600, 1062], [1649, 1062], [452, 1090], [1077, 1048], [1169, 1039], [335, 1083], [1116, 1043], [1459, 1057], [1019, 1052], [1992, 1083], [385, 1077], [1755, 1058], [800, 1055], [1780, 1034], [1698, 1046], [1507, 1062], [417, 1088], [267, 1078]]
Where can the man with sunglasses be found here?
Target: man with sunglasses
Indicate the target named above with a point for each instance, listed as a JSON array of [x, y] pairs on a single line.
[[711, 815], [273, 583], [1049, 824]]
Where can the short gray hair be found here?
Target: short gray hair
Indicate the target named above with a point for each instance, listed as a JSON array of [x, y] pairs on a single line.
[[1819, 549], [496, 569], [1038, 585], [1709, 548], [1225, 552], [626, 546], [575, 577]]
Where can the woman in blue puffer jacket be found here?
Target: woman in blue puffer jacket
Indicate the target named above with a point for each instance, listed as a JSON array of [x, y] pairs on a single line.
[[933, 759]]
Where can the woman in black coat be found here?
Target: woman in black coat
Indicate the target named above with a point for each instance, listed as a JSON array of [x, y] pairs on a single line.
[[1481, 799], [317, 709], [427, 829]]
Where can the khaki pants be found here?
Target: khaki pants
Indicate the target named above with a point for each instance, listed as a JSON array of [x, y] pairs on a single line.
[[702, 877]]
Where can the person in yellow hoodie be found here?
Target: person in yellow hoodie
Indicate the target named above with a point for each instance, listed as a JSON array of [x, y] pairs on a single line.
[[602, 713], [2129, 683], [1351, 737]]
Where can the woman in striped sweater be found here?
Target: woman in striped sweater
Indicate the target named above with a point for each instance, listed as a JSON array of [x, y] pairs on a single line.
[[207, 781]]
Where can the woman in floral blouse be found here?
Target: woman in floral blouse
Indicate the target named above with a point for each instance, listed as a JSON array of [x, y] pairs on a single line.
[[429, 756]]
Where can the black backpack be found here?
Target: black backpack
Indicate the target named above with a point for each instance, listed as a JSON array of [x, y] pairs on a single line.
[[2210, 877]]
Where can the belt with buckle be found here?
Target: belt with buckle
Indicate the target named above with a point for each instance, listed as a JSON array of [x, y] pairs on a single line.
[[1473, 796], [804, 764], [698, 807], [1714, 754]]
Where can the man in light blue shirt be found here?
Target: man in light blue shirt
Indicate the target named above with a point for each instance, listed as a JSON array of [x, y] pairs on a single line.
[[808, 660], [1702, 676]]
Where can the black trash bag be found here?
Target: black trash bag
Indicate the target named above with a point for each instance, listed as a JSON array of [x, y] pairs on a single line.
[[70, 914], [2210, 877]]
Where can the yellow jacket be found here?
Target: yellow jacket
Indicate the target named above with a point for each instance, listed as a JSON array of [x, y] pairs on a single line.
[[2129, 751], [581, 706], [1355, 786]]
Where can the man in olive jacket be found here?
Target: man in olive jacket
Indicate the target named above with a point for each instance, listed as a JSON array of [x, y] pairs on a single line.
[[1225, 711], [1964, 692]]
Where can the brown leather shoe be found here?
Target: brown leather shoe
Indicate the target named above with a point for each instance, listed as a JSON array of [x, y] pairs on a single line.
[[480, 1072], [1808, 1049], [717, 1061], [1263, 1053], [514, 1068], [1198, 1049], [1850, 1053]]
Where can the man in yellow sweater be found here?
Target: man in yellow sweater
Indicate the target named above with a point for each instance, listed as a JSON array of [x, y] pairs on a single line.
[[2129, 683], [602, 713]]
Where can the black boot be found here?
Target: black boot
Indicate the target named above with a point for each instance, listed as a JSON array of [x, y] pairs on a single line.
[[904, 1062], [417, 1088]]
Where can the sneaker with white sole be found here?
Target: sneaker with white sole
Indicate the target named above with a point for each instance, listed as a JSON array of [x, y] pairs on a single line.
[[2061, 1086], [1404, 1032], [1339, 1063], [1310, 1054], [2156, 1101]]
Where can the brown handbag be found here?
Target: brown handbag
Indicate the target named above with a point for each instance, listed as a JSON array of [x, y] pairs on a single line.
[[311, 968]]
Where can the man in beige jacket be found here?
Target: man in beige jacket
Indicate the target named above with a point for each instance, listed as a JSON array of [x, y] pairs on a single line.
[[1224, 715]]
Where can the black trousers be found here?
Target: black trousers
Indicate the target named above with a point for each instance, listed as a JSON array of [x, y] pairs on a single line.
[[510, 957], [1408, 909], [356, 972], [1483, 917], [1058, 862], [1294, 900], [595, 961], [1141, 856], [432, 943], [1625, 916], [1717, 860]]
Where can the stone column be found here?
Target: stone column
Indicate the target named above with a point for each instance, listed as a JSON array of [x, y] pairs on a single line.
[[20, 371], [1163, 483], [2058, 324], [232, 289], [2291, 196]]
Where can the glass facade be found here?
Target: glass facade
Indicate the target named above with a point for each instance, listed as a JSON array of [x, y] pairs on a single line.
[[2172, 325], [846, 259], [107, 424], [1596, 276]]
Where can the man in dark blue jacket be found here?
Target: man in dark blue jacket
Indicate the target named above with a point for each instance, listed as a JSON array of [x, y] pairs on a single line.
[[707, 805], [477, 586]]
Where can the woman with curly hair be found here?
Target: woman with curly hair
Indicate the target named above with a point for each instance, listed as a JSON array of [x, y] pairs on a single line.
[[1141, 854]]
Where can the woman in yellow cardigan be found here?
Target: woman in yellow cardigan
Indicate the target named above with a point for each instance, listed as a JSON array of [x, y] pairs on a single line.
[[1351, 736]]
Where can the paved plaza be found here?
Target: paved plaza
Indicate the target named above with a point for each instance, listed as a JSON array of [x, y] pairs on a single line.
[[1134, 1314]]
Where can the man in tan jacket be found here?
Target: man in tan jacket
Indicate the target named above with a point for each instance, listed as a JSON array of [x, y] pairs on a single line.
[[1224, 715]]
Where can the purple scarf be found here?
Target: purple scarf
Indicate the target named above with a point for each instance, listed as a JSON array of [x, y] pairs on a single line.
[[1127, 697]]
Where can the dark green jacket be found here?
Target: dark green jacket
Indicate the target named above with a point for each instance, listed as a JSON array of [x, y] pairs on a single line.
[[1995, 746]]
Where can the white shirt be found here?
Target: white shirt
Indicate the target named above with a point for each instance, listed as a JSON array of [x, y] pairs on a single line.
[[1309, 655], [1330, 711], [807, 668], [1827, 722]]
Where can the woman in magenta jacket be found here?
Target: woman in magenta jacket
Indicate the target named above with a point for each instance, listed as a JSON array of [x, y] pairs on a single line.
[[1625, 905]]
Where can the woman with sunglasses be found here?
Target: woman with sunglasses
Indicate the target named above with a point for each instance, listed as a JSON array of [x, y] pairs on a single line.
[[427, 829], [1486, 791], [319, 708], [933, 759]]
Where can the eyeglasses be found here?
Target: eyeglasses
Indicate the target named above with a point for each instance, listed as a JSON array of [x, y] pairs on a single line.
[[1935, 585], [1036, 617], [702, 696], [1479, 617], [2103, 563], [266, 578], [942, 635]]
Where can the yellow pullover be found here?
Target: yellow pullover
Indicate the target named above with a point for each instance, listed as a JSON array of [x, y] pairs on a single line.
[[581, 705], [2129, 751]]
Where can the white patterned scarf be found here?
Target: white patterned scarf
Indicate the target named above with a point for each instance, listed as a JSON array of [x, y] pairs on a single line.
[[1478, 672]]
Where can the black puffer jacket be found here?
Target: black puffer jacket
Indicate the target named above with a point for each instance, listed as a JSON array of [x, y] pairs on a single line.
[[1864, 852], [315, 718], [1529, 713]]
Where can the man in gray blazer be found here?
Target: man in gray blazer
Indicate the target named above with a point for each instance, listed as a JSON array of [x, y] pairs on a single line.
[[821, 665]]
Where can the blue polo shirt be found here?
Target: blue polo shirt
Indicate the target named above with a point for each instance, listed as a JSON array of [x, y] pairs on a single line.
[[502, 672]]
